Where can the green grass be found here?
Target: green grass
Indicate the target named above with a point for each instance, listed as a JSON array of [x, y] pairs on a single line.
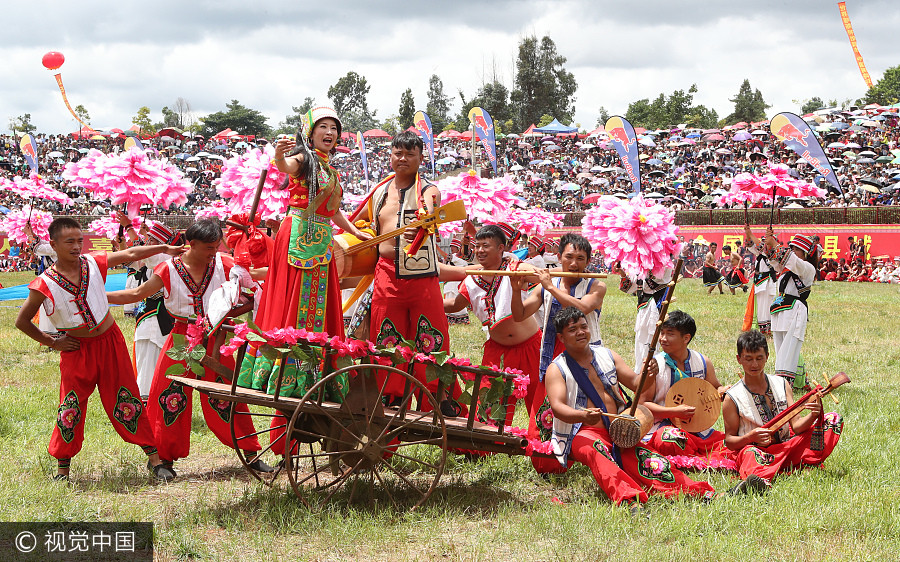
[[495, 508]]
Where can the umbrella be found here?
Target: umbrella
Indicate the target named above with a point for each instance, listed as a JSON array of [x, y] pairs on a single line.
[[535, 162], [547, 140], [884, 159], [588, 146], [516, 168], [757, 156], [659, 173], [865, 161], [869, 153], [241, 144], [706, 199], [585, 175], [192, 159], [570, 187], [674, 198], [647, 142], [512, 136], [742, 136], [866, 183], [759, 132], [55, 154], [598, 169], [654, 162], [592, 198], [715, 137], [723, 151], [552, 204], [837, 145], [83, 150], [654, 195], [551, 147]]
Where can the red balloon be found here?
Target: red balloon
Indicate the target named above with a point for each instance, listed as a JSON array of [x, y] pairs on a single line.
[[53, 60]]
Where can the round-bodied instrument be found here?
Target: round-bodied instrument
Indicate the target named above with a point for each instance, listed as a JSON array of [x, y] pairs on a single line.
[[700, 394], [351, 264]]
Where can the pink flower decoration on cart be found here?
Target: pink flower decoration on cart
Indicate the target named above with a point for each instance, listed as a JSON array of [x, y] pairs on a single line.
[[639, 234], [240, 176], [14, 224]]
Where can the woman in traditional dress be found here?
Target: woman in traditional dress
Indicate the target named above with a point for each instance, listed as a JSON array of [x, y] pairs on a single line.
[[302, 287]]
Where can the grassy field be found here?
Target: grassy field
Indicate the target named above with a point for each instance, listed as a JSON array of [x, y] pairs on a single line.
[[495, 508]]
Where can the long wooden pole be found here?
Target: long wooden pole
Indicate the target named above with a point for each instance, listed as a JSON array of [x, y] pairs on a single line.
[[523, 273], [254, 205], [662, 316]]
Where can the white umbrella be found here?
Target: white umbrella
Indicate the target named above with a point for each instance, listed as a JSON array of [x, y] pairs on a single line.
[[55, 154], [516, 168], [193, 159]]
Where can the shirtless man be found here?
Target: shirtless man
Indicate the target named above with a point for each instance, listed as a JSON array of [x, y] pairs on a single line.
[[514, 344], [407, 300], [711, 275]]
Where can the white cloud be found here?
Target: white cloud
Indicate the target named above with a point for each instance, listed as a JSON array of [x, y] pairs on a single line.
[[271, 55]]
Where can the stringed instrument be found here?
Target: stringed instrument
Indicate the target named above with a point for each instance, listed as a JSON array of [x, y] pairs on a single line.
[[354, 257], [703, 396], [796, 408], [628, 430]]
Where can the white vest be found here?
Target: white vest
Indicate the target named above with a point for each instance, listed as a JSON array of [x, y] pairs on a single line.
[[581, 289], [750, 418], [424, 263], [184, 301], [563, 432], [696, 369], [491, 311], [70, 307]]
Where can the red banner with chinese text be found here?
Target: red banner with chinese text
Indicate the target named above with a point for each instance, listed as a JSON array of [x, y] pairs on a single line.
[[845, 18]]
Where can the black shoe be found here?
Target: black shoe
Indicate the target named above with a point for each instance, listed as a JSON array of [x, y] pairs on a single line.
[[750, 484], [637, 510], [163, 471], [260, 465], [450, 408], [61, 478]]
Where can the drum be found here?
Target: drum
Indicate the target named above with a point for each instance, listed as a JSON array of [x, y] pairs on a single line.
[[627, 431], [355, 265], [700, 394]]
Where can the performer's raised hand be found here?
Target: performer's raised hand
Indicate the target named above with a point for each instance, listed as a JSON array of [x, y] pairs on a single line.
[[283, 146], [544, 277], [175, 250]]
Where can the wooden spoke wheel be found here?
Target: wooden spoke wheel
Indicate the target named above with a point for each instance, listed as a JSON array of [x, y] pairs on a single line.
[[269, 428], [362, 443]]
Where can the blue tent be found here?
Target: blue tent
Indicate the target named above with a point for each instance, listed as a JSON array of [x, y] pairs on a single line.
[[114, 282], [555, 127]]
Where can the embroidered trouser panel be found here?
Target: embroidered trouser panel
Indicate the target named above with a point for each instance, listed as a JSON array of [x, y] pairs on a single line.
[[410, 309], [170, 408], [763, 315], [642, 470], [669, 440], [793, 453], [102, 362]]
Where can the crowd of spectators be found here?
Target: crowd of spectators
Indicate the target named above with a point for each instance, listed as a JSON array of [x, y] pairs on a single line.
[[682, 168]]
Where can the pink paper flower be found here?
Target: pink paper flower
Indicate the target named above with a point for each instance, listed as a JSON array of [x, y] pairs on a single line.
[[485, 199], [639, 234], [34, 186], [217, 209], [240, 176], [108, 226], [195, 333], [13, 224]]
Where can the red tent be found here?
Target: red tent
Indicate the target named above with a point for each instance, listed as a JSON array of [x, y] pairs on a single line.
[[467, 136], [85, 132], [529, 132], [376, 133], [449, 134]]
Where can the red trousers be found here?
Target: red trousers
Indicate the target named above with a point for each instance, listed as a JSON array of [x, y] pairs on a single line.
[[793, 453], [668, 440], [642, 469], [525, 357], [103, 362], [170, 408], [410, 309]]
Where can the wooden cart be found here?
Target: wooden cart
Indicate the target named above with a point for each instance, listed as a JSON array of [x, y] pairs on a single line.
[[335, 446]]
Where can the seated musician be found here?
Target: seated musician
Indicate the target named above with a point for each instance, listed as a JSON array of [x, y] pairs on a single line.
[[759, 397], [676, 362], [583, 383]]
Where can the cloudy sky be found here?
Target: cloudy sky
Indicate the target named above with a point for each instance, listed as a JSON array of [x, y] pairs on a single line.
[[270, 55]]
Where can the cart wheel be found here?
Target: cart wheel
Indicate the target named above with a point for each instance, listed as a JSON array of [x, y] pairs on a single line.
[[363, 442], [263, 423]]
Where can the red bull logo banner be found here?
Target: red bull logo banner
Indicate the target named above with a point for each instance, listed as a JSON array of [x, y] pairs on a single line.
[[621, 133], [795, 133], [133, 142], [423, 124], [484, 128], [361, 145], [29, 150], [845, 19]]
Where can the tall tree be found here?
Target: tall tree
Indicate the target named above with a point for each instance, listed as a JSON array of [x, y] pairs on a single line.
[[142, 120], [291, 123], [170, 118], [543, 85], [602, 117], [22, 124], [407, 109], [349, 96], [749, 105], [238, 118], [438, 106], [182, 108], [667, 111], [492, 96], [887, 90], [83, 114], [812, 104]]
